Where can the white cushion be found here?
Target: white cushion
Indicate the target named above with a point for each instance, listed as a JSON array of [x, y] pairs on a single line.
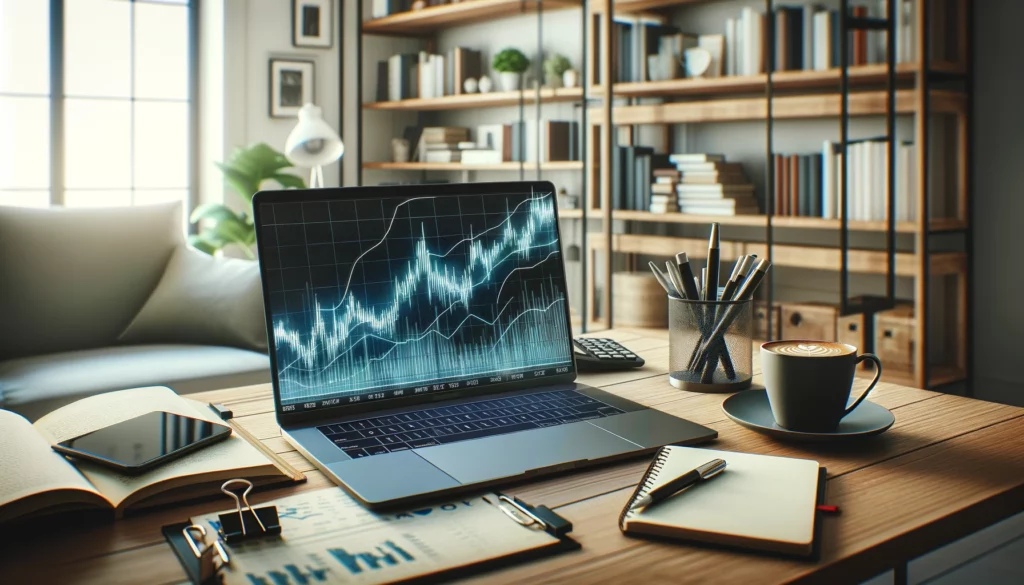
[[74, 278], [34, 386]]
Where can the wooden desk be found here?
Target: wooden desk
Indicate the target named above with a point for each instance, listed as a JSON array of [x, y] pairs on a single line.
[[948, 467]]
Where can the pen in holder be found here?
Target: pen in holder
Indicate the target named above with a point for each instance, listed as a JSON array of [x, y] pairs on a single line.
[[710, 345]]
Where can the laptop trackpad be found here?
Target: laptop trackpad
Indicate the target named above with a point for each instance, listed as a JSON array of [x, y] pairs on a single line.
[[516, 453]]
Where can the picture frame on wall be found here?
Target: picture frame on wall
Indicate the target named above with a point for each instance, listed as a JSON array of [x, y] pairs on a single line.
[[312, 24], [292, 85]]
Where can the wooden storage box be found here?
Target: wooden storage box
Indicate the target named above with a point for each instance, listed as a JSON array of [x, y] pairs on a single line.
[[638, 300], [852, 330], [809, 321], [761, 322], [894, 337]]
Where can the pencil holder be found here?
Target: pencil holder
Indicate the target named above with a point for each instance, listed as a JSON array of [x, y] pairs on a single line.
[[710, 345]]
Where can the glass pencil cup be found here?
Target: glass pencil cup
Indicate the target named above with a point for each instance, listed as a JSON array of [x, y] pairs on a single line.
[[710, 345]]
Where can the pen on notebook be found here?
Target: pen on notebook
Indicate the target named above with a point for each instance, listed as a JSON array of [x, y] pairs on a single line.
[[685, 481], [711, 280], [663, 281]]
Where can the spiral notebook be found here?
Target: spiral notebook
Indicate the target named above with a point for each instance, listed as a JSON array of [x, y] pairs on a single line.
[[758, 502]]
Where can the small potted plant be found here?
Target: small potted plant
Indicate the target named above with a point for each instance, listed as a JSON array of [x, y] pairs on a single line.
[[510, 64], [554, 67]]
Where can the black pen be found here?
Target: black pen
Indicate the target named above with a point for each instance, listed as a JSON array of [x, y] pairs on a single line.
[[711, 280], [684, 481], [683, 263], [734, 279]]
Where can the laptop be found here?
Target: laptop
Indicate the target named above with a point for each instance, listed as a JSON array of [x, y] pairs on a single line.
[[421, 344]]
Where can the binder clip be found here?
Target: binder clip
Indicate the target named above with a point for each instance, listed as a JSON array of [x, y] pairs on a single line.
[[540, 517], [204, 568], [247, 523]]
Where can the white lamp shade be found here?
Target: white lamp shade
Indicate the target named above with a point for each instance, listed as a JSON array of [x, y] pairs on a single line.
[[313, 142]]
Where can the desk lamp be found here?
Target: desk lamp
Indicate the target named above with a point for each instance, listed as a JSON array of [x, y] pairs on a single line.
[[313, 143]]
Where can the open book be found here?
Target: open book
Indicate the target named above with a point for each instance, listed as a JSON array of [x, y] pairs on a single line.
[[36, 479]]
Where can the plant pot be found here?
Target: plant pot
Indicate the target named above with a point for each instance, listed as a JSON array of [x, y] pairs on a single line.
[[552, 80], [571, 78], [509, 81]]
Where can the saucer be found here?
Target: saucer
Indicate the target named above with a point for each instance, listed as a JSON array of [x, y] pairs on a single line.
[[750, 409]]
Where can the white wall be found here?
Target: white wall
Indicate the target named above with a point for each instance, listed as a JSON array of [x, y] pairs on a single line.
[[238, 112]]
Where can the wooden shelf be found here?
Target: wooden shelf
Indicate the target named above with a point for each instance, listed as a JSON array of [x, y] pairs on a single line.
[[570, 213], [507, 166], [428, 20], [626, 6], [782, 80], [940, 375], [492, 99], [813, 257], [944, 224], [789, 107]]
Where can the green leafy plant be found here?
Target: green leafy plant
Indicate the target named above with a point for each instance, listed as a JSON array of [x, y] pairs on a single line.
[[510, 60], [245, 171], [556, 65]]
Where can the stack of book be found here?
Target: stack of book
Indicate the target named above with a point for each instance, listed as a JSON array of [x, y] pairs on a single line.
[[809, 185], [702, 184], [442, 144], [426, 75], [807, 37]]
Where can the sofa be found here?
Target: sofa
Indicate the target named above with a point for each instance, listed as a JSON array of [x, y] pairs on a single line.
[[94, 300]]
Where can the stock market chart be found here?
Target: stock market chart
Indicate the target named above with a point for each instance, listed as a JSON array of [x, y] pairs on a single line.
[[384, 297]]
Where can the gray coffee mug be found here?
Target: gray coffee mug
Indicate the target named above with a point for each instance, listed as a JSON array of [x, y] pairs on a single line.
[[809, 382]]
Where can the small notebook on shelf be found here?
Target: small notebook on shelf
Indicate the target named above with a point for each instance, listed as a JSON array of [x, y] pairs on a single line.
[[35, 480], [758, 502]]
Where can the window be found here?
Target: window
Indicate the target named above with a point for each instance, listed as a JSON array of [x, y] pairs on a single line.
[[95, 102]]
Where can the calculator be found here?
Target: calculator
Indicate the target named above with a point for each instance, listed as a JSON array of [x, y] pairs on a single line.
[[602, 355]]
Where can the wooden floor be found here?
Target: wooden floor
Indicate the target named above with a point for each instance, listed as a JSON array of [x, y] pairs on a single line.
[[948, 467]]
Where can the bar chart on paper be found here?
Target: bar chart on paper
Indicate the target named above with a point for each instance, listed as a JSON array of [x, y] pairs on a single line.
[[327, 537], [406, 294]]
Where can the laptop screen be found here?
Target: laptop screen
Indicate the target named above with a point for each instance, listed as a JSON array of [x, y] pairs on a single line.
[[384, 297]]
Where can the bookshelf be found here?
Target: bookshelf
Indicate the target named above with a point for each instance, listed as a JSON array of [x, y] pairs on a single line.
[[934, 85], [536, 27]]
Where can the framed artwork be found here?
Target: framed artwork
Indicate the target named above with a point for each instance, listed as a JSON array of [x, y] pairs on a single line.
[[291, 86], [312, 25]]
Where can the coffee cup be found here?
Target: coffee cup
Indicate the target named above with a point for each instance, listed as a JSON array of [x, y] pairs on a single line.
[[809, 382]]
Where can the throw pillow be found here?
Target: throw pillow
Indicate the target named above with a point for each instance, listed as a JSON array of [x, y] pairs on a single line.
[[203, 300]]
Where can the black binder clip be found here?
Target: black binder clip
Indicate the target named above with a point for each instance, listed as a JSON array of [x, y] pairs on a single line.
[[541, 517], [203, 569], [246, 523]]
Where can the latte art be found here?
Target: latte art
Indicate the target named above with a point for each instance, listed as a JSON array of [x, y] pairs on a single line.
[[808, 348]]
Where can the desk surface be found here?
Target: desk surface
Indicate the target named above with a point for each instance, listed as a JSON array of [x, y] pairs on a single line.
[[948, 467]]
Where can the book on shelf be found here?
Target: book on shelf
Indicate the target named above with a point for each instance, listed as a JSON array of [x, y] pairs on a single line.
[[720, 207], [39, 481], [436, 139], [481, 156], [716, 191], [496, 138], [807, 37], [443, 156], [810, 185], [426, 75]]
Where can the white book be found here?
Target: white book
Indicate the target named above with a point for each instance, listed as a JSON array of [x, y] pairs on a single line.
[[852, 172], [424, 78], [395, 78], [822, 34], [730, 46], [908, 33], [480, 157], [754, 43], [380, 8], [438, 62], [828, 182], [838, 181], [914, 187]]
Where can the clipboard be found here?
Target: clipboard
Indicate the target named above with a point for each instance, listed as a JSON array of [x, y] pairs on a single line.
[[409, 540]]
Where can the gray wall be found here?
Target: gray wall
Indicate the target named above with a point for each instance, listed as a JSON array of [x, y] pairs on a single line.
[[998, 202]]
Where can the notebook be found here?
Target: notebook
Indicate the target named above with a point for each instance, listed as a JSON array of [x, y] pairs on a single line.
[[758, 502]]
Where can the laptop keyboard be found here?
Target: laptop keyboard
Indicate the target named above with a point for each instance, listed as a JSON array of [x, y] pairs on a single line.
[[461, 422]]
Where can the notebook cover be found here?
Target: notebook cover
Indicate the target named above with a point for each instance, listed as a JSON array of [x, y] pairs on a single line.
[[728, 540]]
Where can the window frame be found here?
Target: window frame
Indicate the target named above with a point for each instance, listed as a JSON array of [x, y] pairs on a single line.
[[57, 102]]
